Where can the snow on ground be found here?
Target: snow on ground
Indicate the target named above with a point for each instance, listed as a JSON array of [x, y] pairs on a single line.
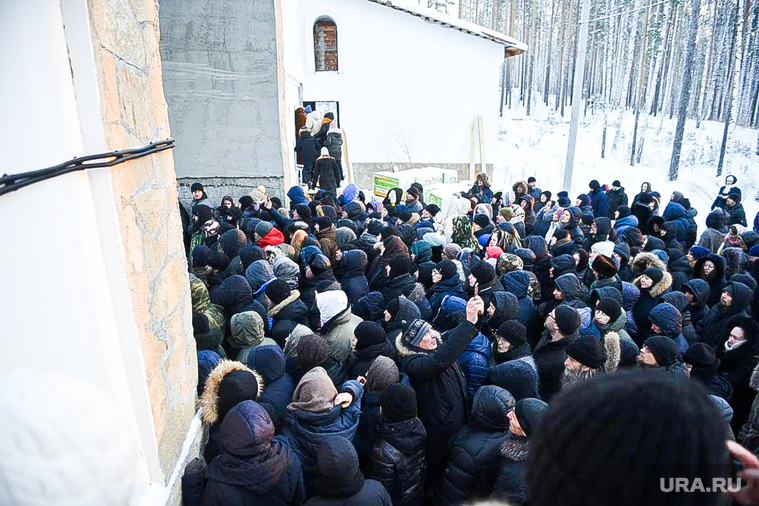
[[536, 146]]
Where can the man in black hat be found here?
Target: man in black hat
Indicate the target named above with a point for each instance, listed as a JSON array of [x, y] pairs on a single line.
[[199, 197], [662, 352], [734, 208], [438, 381], [533, 190], [413, 204], [550, 353], [585, 356]]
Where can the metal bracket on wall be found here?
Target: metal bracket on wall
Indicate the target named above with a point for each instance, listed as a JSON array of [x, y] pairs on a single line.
[[13, 182]]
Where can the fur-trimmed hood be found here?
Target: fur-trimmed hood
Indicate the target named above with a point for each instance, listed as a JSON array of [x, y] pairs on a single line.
[[645, 260], [522, 185], [516, 449], [209, 401], [404, 350], [613, 351], [660, 288], [294, 295]]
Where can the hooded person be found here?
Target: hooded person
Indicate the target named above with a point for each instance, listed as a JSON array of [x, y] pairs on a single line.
[[702, 364], [216, 320], [246, 333], [518, 377], [228, 384], [338, 324], [475, 457], [666, 320], [734, 300], [738, 355], [482, 276], [389, 248], [353, 281], [254, 465], [397, 315], [605, 417], [503, 306], [436, 377], [518, 284], [697, 291], [653, 283], [269, 361], [325, 233], [317, 412], [236, 296], [716, 229], [371, 342], [561, 330], [397, 458], [340, 481], [401, 282], [285, 310]]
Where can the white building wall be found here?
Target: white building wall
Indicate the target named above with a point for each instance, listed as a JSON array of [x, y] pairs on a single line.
[[408, 90]]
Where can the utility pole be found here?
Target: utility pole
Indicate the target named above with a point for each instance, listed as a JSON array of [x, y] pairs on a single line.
[[577, 94]]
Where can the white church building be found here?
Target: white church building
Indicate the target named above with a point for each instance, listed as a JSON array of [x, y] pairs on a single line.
[[406, 86]]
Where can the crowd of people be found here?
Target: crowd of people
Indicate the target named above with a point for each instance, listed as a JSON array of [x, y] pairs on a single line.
[[515, 346]]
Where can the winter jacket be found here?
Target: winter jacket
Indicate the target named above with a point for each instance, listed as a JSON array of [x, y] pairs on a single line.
[[474, 459], [306, 430], [438, 381], [518, 283], [614, 199], [713, 326], [737, 216], [691, 233], [328, 242], [681, 272], [327, 174], [630, 295], [724, 191], [308, 152], [700, 289], [254, 466], [353, 282], [362, 359], [269, 362], [398, 460], [622, 224], [285, 316], [447, 287], [334, 143], [599, 203], [406, 285], [677, 214], [648, 300], [549, 357], [717, 279], [510, 486], [474, 364]]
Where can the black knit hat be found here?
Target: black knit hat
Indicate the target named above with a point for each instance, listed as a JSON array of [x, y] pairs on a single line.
[[319, 264], [529, 413], [628, 353], [623, 211], [605, 443], [432, 209], [588, 351], [369, 334], [610, 307], [513, 332], [200, 324], [196, 187], [735, 197], [483, 272], [218, 261], [304, 212], [399, 265], [616, 183], [531, 179], [447, 268], [623, 250], [237, 386], [604, 266], [277, 291], [398, 403], [664, 349], [482, 220], [323, 222], [594, 185], [700, 355], [654, 274], [415, 332], [567, 319]]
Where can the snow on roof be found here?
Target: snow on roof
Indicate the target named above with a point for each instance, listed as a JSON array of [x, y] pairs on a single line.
[[513, 46]]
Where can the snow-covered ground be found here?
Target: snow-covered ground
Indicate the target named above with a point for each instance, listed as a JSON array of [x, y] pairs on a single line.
[[536, 146]]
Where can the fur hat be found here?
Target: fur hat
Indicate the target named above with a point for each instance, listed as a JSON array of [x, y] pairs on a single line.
[[604, 266], [196, 187], [381, 374], [588, 351], [399, 265], [323, 223]]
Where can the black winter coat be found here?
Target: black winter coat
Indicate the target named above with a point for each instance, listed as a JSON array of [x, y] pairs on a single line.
[[327, 174], [269, 362], [716, 281], [398, 460], [475, 456], [285, 316], [511, 486], [438, 381], [371, 494], [737, 215], [614, 199], [353, 280], [736, 367], [712, 327], [362, 359], [549, 358], [253, 468]]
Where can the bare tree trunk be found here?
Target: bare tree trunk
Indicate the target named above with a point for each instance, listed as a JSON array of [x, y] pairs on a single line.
[[732, 73], [690, 49], [641, 81]]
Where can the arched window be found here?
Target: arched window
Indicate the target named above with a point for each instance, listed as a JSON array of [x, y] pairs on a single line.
[[325, 45]]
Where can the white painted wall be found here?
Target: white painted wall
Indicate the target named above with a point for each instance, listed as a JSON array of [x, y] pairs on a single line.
[[403, 84], [65, 300]]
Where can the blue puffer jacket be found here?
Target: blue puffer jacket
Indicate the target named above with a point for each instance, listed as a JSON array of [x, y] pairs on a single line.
[[677, 214], [269, 361], [449, 306], [518, 283], [670, 321], [451, 286], [305, 430], [474, 364], [599, 203], [630, 295], [623, 224]]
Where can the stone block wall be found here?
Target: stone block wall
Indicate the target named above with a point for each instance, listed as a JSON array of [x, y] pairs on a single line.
[[134, 112]]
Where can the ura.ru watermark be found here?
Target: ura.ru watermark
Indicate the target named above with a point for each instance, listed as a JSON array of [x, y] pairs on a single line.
[[699, 485]]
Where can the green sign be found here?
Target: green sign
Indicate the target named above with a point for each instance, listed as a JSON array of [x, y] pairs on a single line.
[[383, 184]]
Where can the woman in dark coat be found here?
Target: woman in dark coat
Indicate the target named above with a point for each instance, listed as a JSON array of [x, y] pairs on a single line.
[[447, 282], [307, 151], [326, 173], [738, 352], [389, 248], [254, 466], [724, 191], [713, 326], [475, 456], [712, 270], [653, 283], [397, 459]]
